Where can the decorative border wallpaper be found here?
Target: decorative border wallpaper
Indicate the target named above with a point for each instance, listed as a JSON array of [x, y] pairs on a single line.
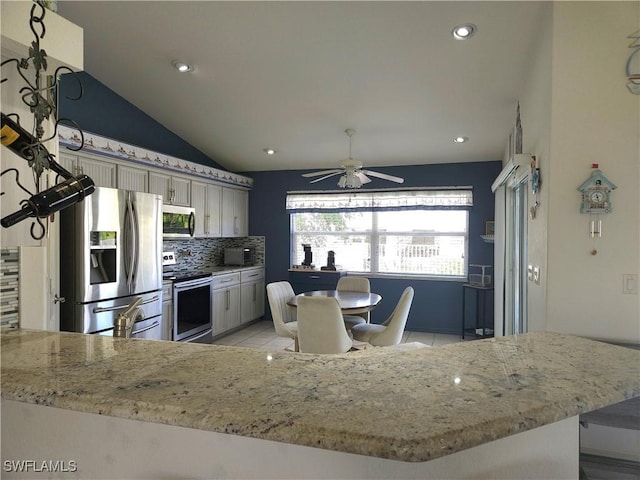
[[100, 145], [9, 288]]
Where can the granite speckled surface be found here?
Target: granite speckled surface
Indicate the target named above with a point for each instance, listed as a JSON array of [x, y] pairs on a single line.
[[404, 404]]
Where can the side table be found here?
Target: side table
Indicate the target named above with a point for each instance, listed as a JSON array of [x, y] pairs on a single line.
[[481, 310]]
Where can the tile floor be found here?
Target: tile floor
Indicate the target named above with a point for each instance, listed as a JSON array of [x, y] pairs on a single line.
[[262, 335]]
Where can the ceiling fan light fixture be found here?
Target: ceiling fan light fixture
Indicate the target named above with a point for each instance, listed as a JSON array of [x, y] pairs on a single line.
[[352, 174], [464, 31], [349, 180]]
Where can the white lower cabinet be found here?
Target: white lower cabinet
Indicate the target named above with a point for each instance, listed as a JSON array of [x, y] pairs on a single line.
[[226, 302], [167, 310], [252, 293], [238, 298]]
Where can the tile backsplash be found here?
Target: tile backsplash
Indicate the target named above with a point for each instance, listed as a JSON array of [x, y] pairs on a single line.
[[204, 253], [9, 290]]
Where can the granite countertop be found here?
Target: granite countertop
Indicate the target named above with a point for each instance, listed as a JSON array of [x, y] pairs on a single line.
[[217, 270], [222, 269], [398, 403]]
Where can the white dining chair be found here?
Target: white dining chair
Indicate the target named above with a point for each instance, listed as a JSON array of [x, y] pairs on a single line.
[[321, 328], [390, 332], [284, 316], [355, 284]]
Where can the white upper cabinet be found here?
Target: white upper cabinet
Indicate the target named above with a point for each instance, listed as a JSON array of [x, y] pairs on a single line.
[[102, 172], [206, 198], [235, 212], [198, 201], [213, 215], [220, 211], [131, 178], [174, 190]]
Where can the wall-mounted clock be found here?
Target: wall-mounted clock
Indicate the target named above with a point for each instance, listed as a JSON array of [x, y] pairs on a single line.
[[596, 193]]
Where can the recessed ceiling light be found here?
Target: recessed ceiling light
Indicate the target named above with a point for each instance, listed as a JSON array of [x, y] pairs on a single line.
[[462, 32], [181, 66], [269, 151], [461, 139]]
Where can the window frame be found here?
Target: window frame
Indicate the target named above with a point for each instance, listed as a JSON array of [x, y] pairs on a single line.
[[374, 237]]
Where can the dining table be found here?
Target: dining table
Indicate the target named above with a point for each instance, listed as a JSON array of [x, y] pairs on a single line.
[[351, 303]]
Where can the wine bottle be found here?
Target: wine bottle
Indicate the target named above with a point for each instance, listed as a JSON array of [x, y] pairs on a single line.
[[19, 140], [52, 200]]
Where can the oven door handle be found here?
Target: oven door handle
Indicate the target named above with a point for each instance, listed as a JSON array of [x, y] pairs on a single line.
[[190, 284], [120, 307], [153, 325], [191, 339]]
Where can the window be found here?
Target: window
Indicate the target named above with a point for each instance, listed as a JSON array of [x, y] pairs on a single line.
[[413, 232]]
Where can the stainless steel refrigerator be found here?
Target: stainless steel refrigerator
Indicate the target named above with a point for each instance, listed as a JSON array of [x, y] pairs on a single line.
[[110, 254]]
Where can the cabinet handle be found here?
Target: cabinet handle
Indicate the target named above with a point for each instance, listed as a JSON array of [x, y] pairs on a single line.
[[228, 299], [153, 325], [314, 277], [255, 292]]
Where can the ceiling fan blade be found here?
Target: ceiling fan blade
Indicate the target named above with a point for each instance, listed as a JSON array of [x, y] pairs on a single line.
[[335, 172], [384, 176], [322, 172], [363, 178]]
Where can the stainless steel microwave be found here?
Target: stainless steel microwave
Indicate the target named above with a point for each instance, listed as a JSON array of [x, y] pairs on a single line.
[[178, 222]]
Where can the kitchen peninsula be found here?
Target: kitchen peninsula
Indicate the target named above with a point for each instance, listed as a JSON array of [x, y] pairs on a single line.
[[505, 407]]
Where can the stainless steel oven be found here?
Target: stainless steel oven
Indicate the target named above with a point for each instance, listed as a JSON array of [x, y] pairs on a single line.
[[192, 308]]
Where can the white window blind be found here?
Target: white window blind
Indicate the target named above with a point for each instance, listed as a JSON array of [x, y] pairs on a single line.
[[450, 198]]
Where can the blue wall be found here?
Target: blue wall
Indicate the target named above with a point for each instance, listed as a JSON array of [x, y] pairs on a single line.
[[437, 305], [102, 111]]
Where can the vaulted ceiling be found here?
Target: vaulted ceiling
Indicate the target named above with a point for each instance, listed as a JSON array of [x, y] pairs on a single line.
[[293, 76]]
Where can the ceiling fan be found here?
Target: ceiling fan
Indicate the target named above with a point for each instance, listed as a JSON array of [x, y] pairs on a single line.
[[352, 174]]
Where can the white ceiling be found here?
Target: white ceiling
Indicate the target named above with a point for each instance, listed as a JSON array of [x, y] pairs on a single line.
[[294, 75]]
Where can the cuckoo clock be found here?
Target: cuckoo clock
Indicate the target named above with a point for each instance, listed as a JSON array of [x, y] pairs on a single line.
[[596, 193]]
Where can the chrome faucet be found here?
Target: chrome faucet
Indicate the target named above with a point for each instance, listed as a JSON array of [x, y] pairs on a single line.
[[123, 324]]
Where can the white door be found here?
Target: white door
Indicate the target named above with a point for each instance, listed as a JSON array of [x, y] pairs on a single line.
[[515, 321]]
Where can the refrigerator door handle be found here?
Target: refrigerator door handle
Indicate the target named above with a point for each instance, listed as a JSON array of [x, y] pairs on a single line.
[[135, 228], [131, 242], [155, 298]]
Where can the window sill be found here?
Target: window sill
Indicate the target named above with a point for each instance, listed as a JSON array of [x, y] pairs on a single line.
[[407, 276]]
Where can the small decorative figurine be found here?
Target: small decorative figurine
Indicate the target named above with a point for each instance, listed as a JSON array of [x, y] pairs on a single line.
[[308, 255]]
